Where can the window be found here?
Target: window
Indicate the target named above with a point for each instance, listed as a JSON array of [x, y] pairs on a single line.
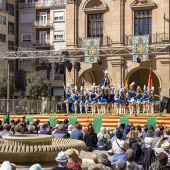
[[26, 37], [2, 38], [59, 16], [95, 26], [26, 18], [10, 9], [143, 22], [59, 35], [11, 45], [3, 20], [11, 28]]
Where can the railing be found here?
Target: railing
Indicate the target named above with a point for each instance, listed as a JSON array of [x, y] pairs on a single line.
[[41, 42], [158, 38], [24, 106], [42, 23], [26, 5], [50, 3]]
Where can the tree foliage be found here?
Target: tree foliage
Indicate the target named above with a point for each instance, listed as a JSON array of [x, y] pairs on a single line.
[[37, 86], [3, 87]]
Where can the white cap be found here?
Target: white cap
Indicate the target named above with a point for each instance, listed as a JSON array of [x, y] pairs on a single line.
[[102, 87], [138, 88], [106, 71], [144, 88], [75, 87], [81, 88], [132, 84], [68, 84], [152, 88]]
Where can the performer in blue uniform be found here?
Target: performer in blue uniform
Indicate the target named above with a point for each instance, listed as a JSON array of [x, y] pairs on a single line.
[[87, 100], [67, 99], [111, 100], [145, 100], [152, 99], [138, 99], [117, 100], [76, 100], [82, 99], [103, 101], [93, 97], [99, 96], [131, 99], [122, 101]]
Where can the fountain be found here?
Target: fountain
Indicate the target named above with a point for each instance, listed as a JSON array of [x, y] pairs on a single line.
[[30, 149]]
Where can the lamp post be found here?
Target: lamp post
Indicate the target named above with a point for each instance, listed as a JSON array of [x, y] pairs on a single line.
[[7, 68]]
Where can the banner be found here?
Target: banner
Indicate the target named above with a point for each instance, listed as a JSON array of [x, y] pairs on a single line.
[[140, 44], [91, 49]]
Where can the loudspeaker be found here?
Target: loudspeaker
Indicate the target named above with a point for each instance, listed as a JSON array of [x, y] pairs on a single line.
[[165, 104], [19, 79], [61, 68]]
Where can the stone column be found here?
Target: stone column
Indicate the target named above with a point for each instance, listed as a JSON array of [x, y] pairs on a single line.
[[115, 69]]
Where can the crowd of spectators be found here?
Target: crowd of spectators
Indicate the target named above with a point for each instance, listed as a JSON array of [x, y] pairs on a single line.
[[131, 148]]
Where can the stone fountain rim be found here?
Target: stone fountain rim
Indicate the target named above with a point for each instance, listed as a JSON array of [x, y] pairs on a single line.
[[27, 136]]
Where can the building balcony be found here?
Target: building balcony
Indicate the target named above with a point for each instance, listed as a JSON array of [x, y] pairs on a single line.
[[43, 24], [52, 3], [26, 5], [42, 43], [158, 38]]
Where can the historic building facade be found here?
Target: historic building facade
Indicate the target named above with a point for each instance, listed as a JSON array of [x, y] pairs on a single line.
[[115, 22]]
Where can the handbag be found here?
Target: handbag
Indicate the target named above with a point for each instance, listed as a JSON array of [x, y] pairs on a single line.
[[120, 147]]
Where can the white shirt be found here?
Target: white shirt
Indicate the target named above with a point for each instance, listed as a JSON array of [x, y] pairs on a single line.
[[148, 141], [116, 148]]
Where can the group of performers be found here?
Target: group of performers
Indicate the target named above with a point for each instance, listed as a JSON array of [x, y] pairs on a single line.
[[105, 97]]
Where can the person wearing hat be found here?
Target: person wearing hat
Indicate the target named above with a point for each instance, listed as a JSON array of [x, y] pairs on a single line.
[[35, 167], [73, 160], [76, 100], [138, 99], [62, 160], [82, 99], [93, 97], [6, 165], [111, 100], [145, 98], [67, 99], [87, 100]]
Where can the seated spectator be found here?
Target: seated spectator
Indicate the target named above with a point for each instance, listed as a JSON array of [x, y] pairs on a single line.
[[162, 160], [30, 130], [156, 138], [90, 139], [45, 130], [61, 132], [103, 140], [18, 129], [165, 148], [119, 165], [76, 133], [130, 156], [119, 148], [55, 128], [87, 125], [73, 160], [62, 160], [70, 129], [145, 129], [102, 163], [6, 165], [167, 133], [66, 123], [6, 131], [36, 167], [148, 138], [133, 166]]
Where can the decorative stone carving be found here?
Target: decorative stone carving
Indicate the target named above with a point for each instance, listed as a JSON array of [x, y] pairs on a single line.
[[143, 4]]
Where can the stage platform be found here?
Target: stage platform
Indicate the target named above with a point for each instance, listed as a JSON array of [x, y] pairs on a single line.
[[98, 120]]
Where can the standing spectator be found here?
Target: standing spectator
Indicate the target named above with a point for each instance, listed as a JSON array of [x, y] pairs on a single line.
[[148, 138], [45, 130], [73, 160], [76, 133], [6, 131], [119, 148], [35, 167], [145, 129], [155, 138], [103, 139], [61, 132], [62, 160], [162, 160], [90, 139]]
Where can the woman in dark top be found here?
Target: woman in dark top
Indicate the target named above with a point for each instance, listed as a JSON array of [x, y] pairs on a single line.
[[90, 139]]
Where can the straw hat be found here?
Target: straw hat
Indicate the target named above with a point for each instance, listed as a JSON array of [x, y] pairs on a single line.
[[73, 155], [132, 134], [166, 145]]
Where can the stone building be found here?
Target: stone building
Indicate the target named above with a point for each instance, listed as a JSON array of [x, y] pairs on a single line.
[[8, 32], [115, 22], [42, 27]]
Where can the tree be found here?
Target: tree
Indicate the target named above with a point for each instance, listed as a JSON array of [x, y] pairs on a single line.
[[3, 87], [37, 85]]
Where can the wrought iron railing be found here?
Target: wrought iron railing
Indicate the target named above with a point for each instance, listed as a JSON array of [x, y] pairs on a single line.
[[158, 38], [26, 5], [42, 42], [43, 23]]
